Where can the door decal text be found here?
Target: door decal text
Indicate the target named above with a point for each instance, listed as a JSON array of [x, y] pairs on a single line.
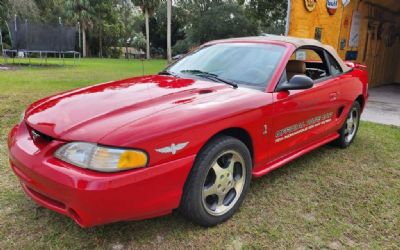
[[302, 127]]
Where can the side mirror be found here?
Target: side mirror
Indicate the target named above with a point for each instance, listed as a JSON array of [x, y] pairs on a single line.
[[297, 82]]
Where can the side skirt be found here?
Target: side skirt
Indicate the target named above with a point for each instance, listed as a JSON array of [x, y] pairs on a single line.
[[282, 161]]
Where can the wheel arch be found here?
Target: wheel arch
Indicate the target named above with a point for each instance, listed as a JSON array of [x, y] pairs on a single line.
[[186, 207], [239, 133], [361, 100]]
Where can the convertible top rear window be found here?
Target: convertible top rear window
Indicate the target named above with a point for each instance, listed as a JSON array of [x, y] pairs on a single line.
[[247, 64]]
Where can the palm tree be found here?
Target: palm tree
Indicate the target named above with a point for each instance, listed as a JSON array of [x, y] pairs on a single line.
[[148, 7], [169, 14], [3, 10], [81, 11]]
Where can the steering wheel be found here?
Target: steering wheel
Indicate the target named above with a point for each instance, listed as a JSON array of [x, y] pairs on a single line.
[[315, 73]]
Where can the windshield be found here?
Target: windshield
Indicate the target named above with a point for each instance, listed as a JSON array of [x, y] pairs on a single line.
[[245, 64]]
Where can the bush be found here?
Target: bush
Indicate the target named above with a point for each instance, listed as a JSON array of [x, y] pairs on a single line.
[[157, 52], [113, 52], [6, 45], [182, 47]]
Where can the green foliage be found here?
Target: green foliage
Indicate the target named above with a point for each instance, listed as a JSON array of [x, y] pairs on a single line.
[[157, 52], [270, 14], [51, 10], [4, 5], [150, 5], [221, 21], [79, 11], [120, 23], [130, 21], [106, 22], [24, 9], [111, 33], [139, 41], [112, 52], [158, 26], [183, 46]]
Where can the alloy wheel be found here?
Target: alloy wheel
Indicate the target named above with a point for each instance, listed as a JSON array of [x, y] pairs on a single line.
[[224, 183], [352, 123]]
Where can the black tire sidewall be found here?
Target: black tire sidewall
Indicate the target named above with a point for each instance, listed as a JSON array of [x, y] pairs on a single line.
[[195, 182], [342, 139]]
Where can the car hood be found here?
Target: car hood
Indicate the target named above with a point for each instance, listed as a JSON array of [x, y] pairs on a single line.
[[91, 113]]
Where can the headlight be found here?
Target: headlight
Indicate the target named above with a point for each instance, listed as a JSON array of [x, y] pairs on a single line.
[[100, 158]]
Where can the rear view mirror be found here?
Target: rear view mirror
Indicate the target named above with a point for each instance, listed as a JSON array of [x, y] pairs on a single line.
[[297, 82]]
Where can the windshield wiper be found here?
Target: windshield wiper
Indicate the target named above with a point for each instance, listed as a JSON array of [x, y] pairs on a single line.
[[209, 76], [168, 73]]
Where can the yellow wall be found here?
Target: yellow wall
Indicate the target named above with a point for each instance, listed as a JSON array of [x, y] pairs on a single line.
[[381, 60], [303, 22]]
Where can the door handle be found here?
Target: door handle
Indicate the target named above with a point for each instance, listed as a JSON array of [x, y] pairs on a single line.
[[333, 96]]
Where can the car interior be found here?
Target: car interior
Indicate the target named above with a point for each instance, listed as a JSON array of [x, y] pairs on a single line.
[[312, 63]]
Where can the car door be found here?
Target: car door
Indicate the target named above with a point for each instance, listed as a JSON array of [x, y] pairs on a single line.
[[304, 117]]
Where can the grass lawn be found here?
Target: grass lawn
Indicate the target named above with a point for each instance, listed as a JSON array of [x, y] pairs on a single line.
[[330, 198]]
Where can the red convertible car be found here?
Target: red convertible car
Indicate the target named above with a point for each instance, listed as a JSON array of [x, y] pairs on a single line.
[[190, 138]]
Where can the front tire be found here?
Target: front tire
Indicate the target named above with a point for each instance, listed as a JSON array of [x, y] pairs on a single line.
[[218, 182], [349, 129]]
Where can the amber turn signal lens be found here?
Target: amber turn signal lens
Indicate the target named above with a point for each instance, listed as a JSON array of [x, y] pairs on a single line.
[[132, 159]]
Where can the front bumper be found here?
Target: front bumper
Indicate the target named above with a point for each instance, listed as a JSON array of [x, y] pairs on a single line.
[[92, 198]]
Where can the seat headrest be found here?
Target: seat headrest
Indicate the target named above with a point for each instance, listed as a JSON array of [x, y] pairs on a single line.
[[296, 66]]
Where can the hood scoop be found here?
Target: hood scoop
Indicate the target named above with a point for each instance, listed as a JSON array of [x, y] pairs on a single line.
[[205, 91]]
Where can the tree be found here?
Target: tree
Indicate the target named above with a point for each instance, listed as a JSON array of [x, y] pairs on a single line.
[[103, 14], [139, 42], [4, 5], [158, 27], [270, 14], [81, 11], [216, 19], [148, 7], [24, 9], [131, 23], [51, 10]]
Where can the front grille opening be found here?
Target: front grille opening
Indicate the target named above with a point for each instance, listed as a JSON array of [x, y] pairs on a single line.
[[46, 199], [38, 136]]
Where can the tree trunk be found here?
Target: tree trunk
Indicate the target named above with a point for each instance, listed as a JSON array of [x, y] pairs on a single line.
[[1, 43], [169, 14], [84, 53], [146, 17], [101, 41]]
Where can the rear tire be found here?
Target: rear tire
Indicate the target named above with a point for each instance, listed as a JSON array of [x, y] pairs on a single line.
[[219, 181], [350, 127]]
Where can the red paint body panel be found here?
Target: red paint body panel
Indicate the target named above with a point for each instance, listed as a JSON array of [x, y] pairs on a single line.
[[152, 112], [93, 198]]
